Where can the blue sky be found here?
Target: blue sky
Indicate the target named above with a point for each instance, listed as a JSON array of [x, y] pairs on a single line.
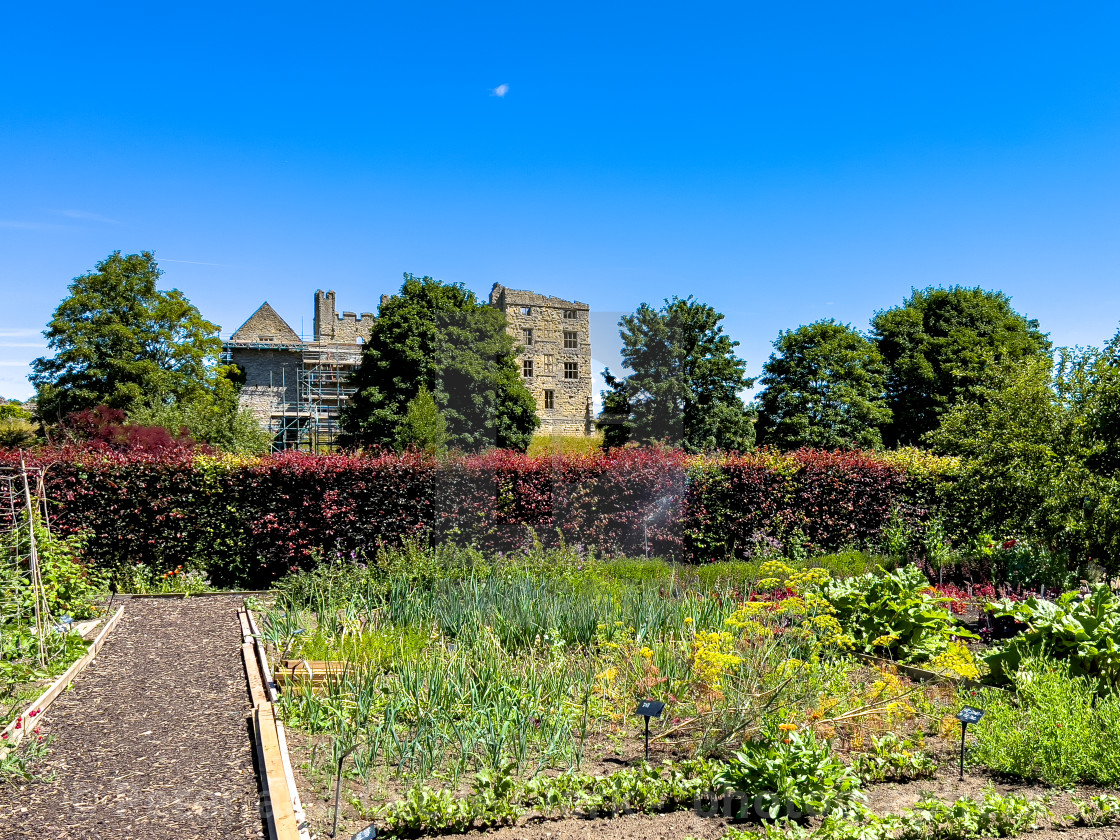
[[783, 162]]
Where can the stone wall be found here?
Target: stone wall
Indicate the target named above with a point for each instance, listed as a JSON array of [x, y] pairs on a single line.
[[347, 328], [270, 380], [554, 324]]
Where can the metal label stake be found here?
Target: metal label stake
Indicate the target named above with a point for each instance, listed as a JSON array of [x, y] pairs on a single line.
[[966, 716], [648, 709]]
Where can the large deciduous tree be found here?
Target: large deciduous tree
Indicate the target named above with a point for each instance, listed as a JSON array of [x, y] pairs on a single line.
[[684, 384], [1041, 454], [940, 347], [823, 388], [120, 341], [440, 337]]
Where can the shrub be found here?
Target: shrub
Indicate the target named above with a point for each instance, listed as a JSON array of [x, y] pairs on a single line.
[[247, 520], [1060, 730]]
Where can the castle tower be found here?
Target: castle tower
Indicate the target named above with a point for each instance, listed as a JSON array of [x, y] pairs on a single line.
[[554, 338]]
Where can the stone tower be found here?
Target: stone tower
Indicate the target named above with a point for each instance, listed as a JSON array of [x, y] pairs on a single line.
[[554, 342], [332, 328]]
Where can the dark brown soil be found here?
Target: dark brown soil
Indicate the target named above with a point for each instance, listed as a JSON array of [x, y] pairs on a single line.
[[152, 740]]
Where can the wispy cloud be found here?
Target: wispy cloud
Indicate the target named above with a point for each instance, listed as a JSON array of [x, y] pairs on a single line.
[[500, 91], [18, 333], [88, 217], [193, 262], [14, 364], [21, 344]]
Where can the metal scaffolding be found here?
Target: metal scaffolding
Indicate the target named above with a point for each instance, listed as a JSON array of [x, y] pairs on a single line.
[[311, 422]]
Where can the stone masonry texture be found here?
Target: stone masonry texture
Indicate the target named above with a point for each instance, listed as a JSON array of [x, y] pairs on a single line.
[[553, 336]]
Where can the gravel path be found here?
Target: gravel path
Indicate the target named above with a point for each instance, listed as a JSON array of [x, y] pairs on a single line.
[[152, 741]]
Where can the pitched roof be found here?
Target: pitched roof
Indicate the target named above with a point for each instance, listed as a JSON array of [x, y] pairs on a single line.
[[266, 325]]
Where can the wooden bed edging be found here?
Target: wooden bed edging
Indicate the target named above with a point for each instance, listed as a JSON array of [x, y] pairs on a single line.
[[925, 675], [193, 594], [15, 730], [283, 809]]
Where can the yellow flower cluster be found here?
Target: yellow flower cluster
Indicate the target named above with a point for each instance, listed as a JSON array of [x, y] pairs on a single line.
[[885, 640], [956, 661], [830, 633], [712, 657]]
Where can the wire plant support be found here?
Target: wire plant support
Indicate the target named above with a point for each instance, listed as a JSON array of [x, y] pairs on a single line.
[[20, 511]]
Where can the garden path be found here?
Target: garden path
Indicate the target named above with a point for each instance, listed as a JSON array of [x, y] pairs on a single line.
[[152, 740]]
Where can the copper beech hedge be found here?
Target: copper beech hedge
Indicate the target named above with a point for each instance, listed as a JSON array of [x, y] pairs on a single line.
[[249, 521]]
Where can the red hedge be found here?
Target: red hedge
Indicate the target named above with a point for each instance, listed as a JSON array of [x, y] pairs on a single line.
[[252, 521]]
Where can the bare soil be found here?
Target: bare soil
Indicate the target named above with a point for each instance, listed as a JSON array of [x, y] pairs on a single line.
[[152, 740]]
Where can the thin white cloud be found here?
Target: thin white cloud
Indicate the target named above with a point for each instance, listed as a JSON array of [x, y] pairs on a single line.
[[89, 217], [18, 333], [500, 91], [20, 344], [15, 364]]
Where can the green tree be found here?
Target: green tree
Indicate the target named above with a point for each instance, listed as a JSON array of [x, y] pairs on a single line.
[[940, 347], [212, 416], [1040, 451], [441, 337], [120, 341], [423, 425], [16, 428], [685, 381], [1011, 443], [823, 388]]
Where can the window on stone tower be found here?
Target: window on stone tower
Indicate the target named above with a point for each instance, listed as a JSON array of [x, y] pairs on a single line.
[[570, 314], [527, 368], [527, 336], [526, 310], [571, 370], [549, 400], [571, 342]]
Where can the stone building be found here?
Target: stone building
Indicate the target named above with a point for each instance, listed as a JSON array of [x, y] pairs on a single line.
[[296, 386], [554, 338]]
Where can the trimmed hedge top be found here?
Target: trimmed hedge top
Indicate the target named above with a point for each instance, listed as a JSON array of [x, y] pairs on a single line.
[[254, 519]]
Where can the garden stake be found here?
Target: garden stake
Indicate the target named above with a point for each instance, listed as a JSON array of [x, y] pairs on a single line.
[[648, 709], [338, 789], [966, 716], [964, 728]]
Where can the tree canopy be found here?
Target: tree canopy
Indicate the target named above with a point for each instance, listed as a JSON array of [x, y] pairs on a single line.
[[685, 381], [823, 388], [1040, 454], [121, 342], [940, 346], [440, 337]]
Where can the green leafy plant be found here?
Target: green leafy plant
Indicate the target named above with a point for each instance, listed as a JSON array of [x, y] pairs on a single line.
[[894, 613], [895, 759], [993, 816], [930, 819], [796, 775], [1097, 812], [1086, 632]]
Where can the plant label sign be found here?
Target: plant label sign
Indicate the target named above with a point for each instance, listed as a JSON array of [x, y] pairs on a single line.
[[650, 708], [970, 715], [366, 834]]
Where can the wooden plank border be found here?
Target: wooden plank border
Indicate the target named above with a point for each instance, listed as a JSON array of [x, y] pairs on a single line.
[[235, 592], [283, 810], [21, 724]]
